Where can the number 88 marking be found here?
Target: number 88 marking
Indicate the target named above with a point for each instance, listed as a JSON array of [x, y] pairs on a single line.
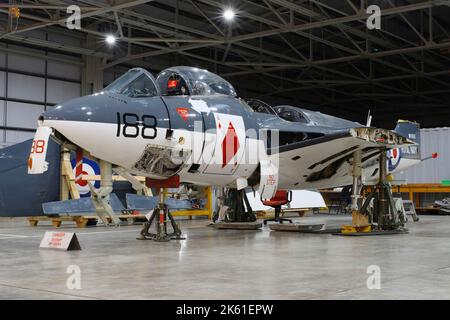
[[38, 146]]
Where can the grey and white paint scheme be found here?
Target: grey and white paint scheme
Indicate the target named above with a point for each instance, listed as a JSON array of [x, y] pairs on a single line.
[[190, 122]]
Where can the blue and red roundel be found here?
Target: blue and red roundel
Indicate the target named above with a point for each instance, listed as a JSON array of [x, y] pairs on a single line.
[[394, 157], [89, 168]]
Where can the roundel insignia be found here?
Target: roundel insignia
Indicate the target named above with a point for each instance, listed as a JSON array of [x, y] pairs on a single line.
[[394, 157], [89, 168]]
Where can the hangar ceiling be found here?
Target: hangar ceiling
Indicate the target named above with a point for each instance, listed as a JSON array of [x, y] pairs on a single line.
[[316, 54]]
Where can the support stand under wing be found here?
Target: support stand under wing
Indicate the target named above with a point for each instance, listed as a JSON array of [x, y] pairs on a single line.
[[239, 206], [100, 197], [384, 213], [383, 218], [240, 214]]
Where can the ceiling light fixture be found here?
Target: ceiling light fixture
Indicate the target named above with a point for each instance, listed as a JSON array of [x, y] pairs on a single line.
[[229, 14], [110, 39]]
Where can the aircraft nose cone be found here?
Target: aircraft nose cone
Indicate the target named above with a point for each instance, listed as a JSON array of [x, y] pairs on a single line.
[[80, 109], [95, 108], [52, 114]]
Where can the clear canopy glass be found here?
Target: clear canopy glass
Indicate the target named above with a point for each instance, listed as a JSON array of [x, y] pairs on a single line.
[[141, 87], [173, 81], [136, 83], [117, 85], [192, 81]]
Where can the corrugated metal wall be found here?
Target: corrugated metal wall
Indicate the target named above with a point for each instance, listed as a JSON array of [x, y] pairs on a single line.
[[433, 170], [29, 85]]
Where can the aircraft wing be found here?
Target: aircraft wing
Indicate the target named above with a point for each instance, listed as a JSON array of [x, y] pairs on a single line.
[[326, 161]]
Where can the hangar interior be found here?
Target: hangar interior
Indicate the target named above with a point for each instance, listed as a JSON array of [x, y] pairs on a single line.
[[312, 54]]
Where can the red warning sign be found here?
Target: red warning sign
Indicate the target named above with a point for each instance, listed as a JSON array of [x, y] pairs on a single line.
[[60, 240]]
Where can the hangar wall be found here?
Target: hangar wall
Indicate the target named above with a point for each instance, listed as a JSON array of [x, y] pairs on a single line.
[[433, 170], [32, 81]]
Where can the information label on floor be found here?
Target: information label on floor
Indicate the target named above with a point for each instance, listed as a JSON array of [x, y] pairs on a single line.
[[60, 240]]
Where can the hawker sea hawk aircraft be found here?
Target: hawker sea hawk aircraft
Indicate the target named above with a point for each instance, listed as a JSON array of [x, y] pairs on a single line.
[[190, 123]]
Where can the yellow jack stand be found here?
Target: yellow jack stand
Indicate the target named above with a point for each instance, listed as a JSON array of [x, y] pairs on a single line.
[[383, 219], [360, 223]]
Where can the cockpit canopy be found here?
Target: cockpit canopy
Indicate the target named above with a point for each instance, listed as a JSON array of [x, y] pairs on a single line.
[[192, 81], [291, 114], [287, 113], [136, 83], [139, 83]]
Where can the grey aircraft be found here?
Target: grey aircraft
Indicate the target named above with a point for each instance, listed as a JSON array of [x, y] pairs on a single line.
[[190, 123]]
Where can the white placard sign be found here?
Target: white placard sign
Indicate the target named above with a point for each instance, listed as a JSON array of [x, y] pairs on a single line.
[[60, 240]]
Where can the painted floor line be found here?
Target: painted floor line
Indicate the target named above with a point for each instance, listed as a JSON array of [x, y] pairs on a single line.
[[7, 236], [13, 235], [49, 291]]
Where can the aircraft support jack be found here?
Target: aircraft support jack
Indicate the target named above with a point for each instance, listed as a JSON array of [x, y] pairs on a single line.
[[384, 214], [162, 213], [240, 209], [383, 218], [240, 214]]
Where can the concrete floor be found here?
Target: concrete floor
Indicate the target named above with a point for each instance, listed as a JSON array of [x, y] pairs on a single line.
[[227, 264]]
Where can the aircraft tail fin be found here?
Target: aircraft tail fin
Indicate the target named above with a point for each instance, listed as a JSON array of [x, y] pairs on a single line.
[[410, 130]]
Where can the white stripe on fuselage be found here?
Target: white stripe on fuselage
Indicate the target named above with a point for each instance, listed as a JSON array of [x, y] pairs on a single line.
[[101, 141]]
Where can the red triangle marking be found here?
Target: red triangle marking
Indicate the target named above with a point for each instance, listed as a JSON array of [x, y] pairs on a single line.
[[230, 145]]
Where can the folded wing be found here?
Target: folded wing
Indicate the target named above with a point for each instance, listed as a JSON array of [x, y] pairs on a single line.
[[326, 161]]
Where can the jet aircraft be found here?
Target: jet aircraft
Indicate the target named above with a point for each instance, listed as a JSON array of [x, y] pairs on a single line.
[[190, 123]]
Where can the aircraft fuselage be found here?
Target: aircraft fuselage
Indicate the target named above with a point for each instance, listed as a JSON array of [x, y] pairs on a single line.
[[215, 139]]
